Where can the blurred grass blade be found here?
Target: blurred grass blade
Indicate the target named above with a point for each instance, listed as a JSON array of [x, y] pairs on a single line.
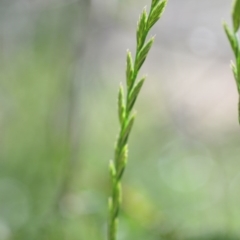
[[232, 39], [234, 42], [236, 15]]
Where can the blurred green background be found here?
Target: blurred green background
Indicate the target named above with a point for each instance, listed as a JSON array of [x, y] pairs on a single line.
[[60, 66]]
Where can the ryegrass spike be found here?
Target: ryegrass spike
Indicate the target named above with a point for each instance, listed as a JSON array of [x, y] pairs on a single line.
[[126, 117]]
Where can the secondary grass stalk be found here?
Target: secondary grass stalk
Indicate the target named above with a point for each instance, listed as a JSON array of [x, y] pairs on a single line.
[[235, 45], [125, 106]]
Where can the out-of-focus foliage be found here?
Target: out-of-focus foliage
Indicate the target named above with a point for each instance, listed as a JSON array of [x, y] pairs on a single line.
[[234, 43], [60, 65]]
